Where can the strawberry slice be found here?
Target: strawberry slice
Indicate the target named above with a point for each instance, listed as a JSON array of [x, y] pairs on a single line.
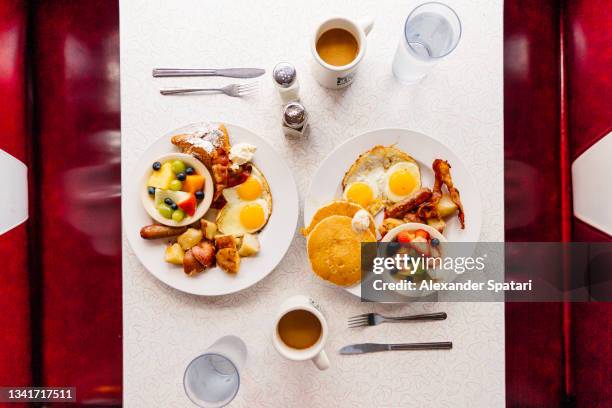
[[188, 204], [404, 237]]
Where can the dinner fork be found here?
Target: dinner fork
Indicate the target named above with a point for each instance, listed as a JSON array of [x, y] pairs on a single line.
[[373, 319], [236, 90]]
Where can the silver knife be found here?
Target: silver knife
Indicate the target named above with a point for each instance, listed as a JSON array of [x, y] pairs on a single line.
[[224, 72], [375, 347]]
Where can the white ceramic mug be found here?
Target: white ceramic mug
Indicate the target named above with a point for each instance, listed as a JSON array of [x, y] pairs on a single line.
[[332, 76], [314, 352]]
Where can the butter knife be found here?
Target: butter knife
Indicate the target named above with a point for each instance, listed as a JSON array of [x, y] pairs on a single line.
[[376, 347], [224, 72]]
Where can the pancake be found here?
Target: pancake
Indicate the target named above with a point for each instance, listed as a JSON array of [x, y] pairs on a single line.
[[336, 208], [334, 250]]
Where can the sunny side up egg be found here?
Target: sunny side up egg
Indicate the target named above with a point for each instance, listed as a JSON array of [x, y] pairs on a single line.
[[248, 207], [379, 177], [401, 180]]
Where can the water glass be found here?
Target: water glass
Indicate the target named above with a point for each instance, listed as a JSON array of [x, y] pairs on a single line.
[[431, 32], [212, 379]]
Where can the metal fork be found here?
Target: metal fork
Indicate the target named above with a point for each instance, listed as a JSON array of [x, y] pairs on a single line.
[[236, 90], [373, 319]]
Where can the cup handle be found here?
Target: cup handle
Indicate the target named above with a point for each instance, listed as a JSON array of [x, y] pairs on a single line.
[[366, 24], [321, 361]]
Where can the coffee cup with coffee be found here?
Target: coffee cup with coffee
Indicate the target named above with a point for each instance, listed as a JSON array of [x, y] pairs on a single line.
[[300, 331], [337, 47]]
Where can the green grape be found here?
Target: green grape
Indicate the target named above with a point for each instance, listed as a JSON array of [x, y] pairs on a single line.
[[178, 166], [176, 185], [164, 210], [178, 215]]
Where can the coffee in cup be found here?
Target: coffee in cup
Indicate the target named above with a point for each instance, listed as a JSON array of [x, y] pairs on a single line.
[[300, 331], [337, 47]]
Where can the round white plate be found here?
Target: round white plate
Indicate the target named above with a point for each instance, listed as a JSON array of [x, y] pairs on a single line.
[[326, 184], [275, 238]]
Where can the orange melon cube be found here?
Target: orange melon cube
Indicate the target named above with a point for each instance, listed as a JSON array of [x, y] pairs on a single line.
[[193, 183]]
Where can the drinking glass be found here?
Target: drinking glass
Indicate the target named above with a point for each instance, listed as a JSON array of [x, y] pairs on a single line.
[[212, 379], [431, 32]]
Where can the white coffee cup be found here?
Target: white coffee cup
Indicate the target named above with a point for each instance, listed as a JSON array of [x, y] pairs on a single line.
[[314, 352], [332, 76]]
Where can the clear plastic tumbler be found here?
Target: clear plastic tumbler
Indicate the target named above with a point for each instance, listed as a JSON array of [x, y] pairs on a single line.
[[431, 32], [212, 379]]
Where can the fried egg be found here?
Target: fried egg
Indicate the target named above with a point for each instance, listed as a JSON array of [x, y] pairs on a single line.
[[248, 206], [401, 180], [365, 192], [379, 177]]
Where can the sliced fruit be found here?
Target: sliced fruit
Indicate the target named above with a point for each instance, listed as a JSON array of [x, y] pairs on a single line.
[[404, 237], [175, 254], [175, 185], [422, 233], [173, 196], [162, 177], [178, 166], [188, 204], [193, 183], [249, 245], [178, 215], [421, 245], [189, 238], [165, 210]]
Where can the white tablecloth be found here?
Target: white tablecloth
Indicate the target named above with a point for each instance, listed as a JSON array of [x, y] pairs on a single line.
[[459, 103]]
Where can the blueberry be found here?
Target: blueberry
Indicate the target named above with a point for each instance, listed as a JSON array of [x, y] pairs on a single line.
[[435, 242], [181, 176], [168, 201], [156, 166], [189, 170], [174, 206], [199, 195], [151, 190]]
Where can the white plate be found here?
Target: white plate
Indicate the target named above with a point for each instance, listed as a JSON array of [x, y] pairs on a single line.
[[326, 184], [275, 238]]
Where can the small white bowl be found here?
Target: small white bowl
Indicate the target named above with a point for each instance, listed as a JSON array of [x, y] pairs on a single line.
[[433, 233], [413, 226], [148, 201]]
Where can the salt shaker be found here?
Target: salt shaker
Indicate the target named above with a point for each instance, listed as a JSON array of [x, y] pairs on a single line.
[[285, 78], [295, 119]]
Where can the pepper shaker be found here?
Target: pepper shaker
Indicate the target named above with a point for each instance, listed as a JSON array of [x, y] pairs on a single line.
[[285, 78], [295, 119]]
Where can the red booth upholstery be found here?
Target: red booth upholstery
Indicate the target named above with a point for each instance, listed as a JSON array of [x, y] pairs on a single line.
[[557, 82], [15, 364], [589, 70], [65, 263], [76, 80]]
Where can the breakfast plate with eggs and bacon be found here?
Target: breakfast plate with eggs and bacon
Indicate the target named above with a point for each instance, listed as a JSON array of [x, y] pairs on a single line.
[[378, 184], [212, 209]]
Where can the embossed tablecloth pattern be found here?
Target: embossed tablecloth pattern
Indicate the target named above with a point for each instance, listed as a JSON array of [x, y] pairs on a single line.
[[459, 103]]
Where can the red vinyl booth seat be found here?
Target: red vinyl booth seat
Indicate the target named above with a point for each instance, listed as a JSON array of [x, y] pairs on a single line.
[[15, 363], [59, 84]]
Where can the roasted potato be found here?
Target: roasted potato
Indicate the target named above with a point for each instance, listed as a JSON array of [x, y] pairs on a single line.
[[209, 229], [191, 265], [175, 254], [446, 206], [249, 245], [228, 259], [204, 252], [189, 238]]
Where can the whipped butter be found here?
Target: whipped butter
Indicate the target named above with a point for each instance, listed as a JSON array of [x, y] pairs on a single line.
[[361, 221], [241, 153]]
